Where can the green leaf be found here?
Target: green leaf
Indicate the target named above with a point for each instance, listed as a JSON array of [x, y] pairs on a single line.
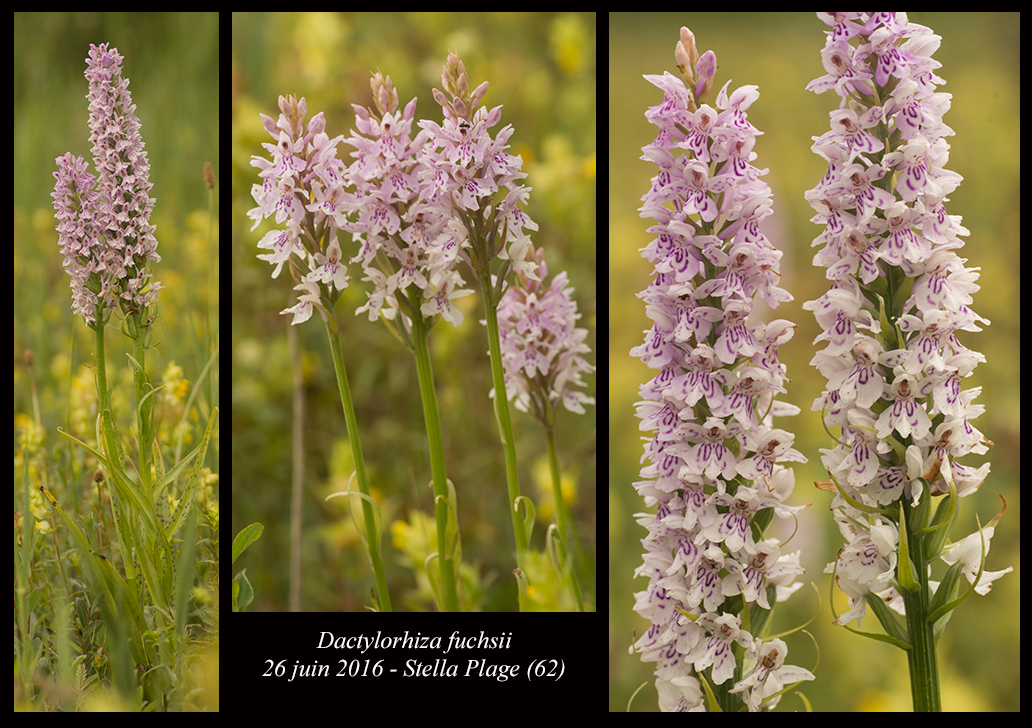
[[528, 518], [946, 589], [354, 520], [245, 538], [121, 601], [522, 585], [178, 515], [243, 594], [905, 571], [896, 634], [942, 524], [453, 538], [950, 606]]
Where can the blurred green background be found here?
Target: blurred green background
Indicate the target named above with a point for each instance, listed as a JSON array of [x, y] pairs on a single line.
[[541, 68], [780, 52]]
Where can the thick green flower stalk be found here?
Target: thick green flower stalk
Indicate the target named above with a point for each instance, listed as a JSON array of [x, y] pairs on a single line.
[[899, 297]]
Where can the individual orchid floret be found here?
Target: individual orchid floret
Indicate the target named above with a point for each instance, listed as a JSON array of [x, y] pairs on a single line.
[[971, 551], [307, 301], [768, 676]]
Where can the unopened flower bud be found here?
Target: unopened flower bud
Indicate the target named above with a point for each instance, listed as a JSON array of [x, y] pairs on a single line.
[[454, 70], [686, 56], [384, 94], [441, 99], [293, 112], [270, 125], [706, 69], [684, 65], [478, 95], [317, 125], [688, 41]]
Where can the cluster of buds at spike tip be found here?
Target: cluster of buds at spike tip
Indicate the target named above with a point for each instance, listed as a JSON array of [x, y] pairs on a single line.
[[385, 96], [456, 83], [697, 71], [294, 112]]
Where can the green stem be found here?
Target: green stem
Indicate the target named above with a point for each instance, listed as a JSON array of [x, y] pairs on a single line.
[[212, 256], [924, 667], [501, 404], [144, 415], [561, 515], [557, 487], [109, 444], [102, 393], [445, 553], [372, 537]]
